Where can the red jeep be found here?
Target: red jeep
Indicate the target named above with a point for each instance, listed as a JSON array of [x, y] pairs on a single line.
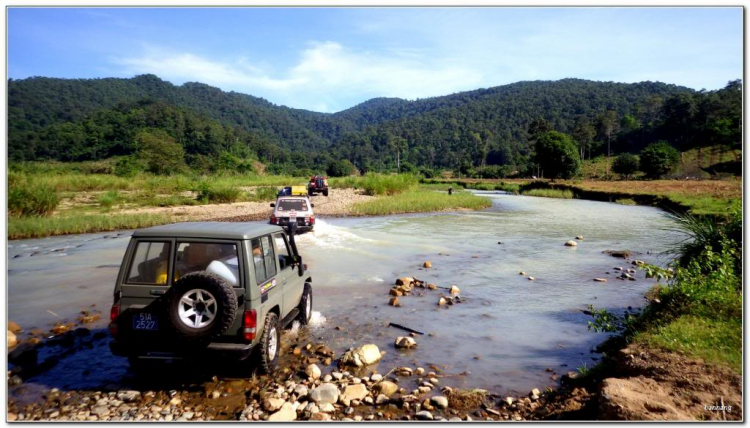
[[317, 184]]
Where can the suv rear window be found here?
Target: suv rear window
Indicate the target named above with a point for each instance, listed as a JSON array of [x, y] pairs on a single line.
[[218, 258], [292, 204], [150, 263]]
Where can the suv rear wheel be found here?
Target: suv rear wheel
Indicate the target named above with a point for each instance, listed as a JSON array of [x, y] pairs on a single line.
[[270, 343]]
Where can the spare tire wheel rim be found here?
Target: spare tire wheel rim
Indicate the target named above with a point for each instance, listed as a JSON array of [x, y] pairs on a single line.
[[272, 343], [197, 308]]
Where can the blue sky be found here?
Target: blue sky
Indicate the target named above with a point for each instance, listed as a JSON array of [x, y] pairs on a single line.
[[329, 59]]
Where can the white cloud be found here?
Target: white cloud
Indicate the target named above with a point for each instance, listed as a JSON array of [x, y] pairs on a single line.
[[326, 74]]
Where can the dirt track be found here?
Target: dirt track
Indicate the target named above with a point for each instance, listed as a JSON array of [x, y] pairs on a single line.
[[338, 203]]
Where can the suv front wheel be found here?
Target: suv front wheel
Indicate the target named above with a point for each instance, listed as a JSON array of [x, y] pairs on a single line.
[[305, 305], [270, 343]]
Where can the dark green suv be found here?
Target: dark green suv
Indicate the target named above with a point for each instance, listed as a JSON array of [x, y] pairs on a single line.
[[193, 290]]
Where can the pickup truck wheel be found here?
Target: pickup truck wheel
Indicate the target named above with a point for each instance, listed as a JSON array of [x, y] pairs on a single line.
[[201, 306], [305, 305], [270, 342], [325, 193]]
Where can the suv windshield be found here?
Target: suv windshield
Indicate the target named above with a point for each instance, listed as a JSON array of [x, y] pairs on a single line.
[[292, 204]]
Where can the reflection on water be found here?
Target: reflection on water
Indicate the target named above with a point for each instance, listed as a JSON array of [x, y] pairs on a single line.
[[505, 335]]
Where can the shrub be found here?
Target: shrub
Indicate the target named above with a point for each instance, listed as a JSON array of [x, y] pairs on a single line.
[[218, 194], [127, 167], [109, 199], [31, 200], [626, 164], [340, 168], [163, 156], [265, 193], [377, 184], [658, 159], [557, 155]]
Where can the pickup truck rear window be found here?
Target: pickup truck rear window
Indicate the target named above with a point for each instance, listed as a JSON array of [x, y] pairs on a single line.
[[292, 204]]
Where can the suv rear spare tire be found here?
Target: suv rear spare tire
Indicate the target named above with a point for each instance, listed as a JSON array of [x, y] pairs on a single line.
[[201, 306]]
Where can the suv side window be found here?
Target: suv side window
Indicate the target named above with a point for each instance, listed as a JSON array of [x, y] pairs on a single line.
[[282, 249], [269, 256], [258, 261], [150, 263]]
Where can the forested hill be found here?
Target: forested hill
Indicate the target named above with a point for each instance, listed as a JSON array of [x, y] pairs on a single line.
[[60, 118]]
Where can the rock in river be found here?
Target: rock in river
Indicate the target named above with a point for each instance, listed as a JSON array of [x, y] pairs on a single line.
[[326, 393], [455, 290], [286, 413], [363, 356], [12, 340], [600, 279], [405, 342], [387, 388], [440, 402], [571, 244], [353, 392], [12, 326], [427, 264], [313, 372]]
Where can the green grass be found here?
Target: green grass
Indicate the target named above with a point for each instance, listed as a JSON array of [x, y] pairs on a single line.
[[626, 201], [703, 204], [25, 199], [218, 194], [265, 193], [36, 227], [416, 200], [377, 184], [73, 181], [549, 193], [109, 200], [715, 341]]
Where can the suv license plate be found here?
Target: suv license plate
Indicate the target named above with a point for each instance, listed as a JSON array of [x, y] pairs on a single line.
[[145, 321]]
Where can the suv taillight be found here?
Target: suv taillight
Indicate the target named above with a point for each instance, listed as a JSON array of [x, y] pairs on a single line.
[[273, 219], [250, 321], [113, 314], [312, 220]]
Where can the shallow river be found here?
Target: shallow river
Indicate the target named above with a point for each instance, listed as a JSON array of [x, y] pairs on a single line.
[[508, 331]]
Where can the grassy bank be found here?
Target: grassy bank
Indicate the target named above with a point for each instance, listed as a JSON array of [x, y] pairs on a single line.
[[549, 193], [696, 196], [697, 309], [377, 184], [421, 200], [39, 227]]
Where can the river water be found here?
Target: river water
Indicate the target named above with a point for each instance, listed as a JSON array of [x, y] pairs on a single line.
[[503, 337]]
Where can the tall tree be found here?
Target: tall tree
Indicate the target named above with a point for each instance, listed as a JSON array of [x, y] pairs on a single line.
[[584, 133], [609, 126]]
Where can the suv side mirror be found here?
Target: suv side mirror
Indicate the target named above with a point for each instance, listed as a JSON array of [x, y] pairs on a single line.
[[273, 205], [312, 205]]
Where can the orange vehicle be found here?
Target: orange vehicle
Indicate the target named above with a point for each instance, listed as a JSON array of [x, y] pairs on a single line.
[[317, 184]]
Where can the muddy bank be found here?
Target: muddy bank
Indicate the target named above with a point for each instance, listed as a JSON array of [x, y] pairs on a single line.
[[640, 383]]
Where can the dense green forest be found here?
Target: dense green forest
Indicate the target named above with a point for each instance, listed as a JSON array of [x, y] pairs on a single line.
[[483, 130]]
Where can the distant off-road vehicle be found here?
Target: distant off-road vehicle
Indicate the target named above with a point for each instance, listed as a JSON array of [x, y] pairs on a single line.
[[193, 290], [317, 184], [296, 210]]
